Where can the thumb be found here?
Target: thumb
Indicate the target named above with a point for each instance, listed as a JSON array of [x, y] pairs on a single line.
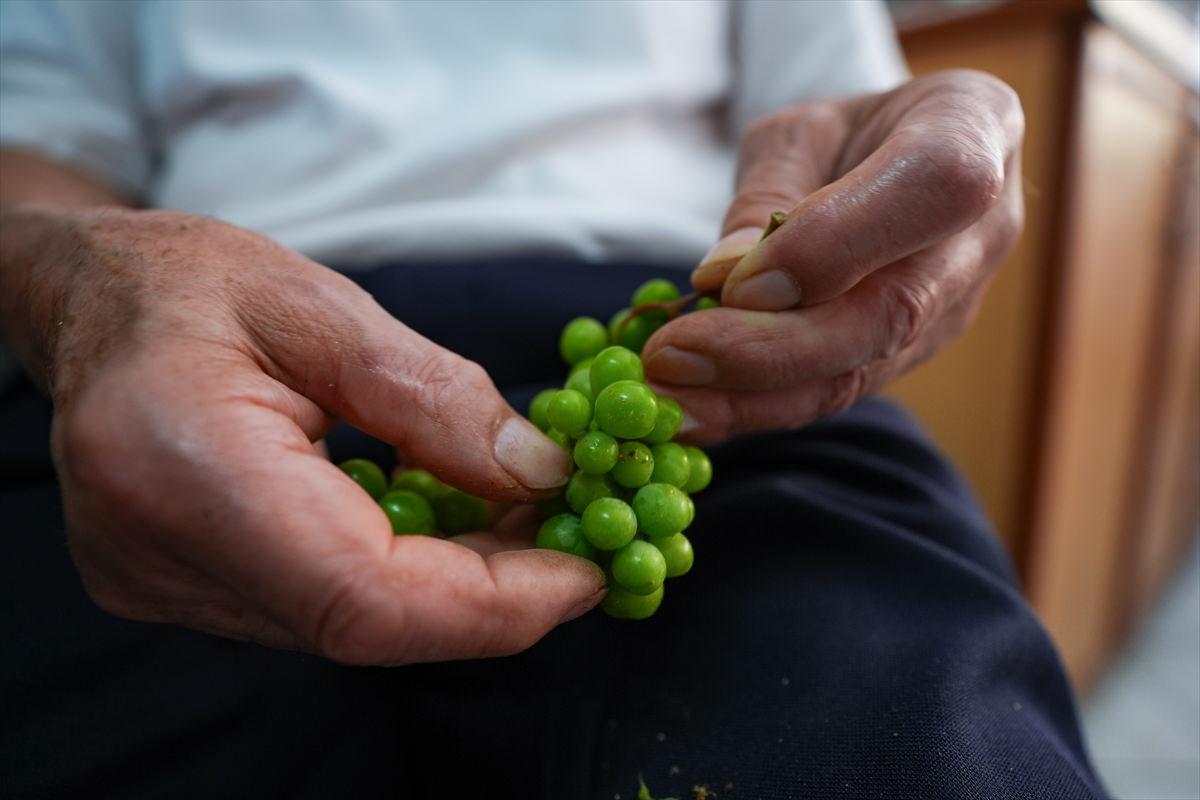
[[363, 366], [776, 170]]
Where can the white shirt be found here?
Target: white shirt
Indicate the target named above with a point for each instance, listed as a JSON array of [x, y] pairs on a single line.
[[368, 132]]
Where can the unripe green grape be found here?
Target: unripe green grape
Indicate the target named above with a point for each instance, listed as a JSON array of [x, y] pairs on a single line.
[[570, 412], [635, 465], [408, 512], [609, 523], [666, 423], [614, 364], [564, 533], [458, 512], [625, 409], [677, 553], [561, 439], [655, 290], [662, 509], [670, 464], [537, 409], [582, 338], [636, 332], [624, 604], [705, 303], [580, 378], [419, 481], [701, 470], [366, 474], [583, 489], [691, 511], [639, 566], [596, 452]]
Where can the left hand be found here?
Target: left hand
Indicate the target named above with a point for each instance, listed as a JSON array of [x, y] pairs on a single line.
[[900, 207]]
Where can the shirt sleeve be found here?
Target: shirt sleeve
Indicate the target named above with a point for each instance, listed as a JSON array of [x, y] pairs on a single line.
[[787, 52], [69, 87]]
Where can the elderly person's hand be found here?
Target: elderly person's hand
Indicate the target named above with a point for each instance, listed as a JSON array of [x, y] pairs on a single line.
[[193, 365], [899, 207]]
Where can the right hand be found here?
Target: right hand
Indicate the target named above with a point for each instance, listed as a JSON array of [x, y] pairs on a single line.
[[192, 366]]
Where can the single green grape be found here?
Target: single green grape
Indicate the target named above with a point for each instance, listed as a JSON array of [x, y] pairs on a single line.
[[705, 303], [583, 488], [366, 474], [553, 506], [614, 364], [537, 409], [670, 464], [609, 523], [570, 412], [662, 509], [677, 552], [655, 290], [596, 452], [408, 512], [639, 566], [564, 532], [419, 481], [626, 409], [561, 439], [691, 511], [580, 378], [635, 465], [666, 423], [458, 512], [582, 338], [624, 604], [701, 470], [635, 334]]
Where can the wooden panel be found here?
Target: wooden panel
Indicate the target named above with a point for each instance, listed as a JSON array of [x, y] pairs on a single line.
[[979, 397], [1127, 145]]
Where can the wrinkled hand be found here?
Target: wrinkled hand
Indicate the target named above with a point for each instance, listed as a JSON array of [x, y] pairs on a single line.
[[193, 365], [900, 206]]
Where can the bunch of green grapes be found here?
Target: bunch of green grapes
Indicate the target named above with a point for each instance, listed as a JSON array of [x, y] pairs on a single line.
[[416, 502], [629, 501]]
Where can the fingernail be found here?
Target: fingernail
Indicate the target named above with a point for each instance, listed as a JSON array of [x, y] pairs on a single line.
[[527, 455], [725, 253], [680, 367], [774, 290], [689, 424]]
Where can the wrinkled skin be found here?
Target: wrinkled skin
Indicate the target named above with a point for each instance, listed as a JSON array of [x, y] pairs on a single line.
[[900, 207]]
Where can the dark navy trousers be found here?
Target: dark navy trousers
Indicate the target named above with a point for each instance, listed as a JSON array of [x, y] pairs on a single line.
[[852, 629]]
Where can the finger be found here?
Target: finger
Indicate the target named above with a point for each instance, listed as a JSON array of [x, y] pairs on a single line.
[[878, 318], [331, 342], [931, 178]]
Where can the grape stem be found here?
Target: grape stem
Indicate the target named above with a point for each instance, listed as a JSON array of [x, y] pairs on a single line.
[[675, 307]]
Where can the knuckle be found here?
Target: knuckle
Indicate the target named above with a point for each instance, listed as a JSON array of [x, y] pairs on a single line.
[[907, 309], [970, 177], [842, 392], [447, 381], [339, 634]]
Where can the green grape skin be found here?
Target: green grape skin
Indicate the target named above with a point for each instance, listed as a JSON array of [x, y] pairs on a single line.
[[624, 604], [670, 464], [561, 439], [666, 423], [625, 409], [640, 567], [677, 553], [661, 509], [691, 511], [701, 470], [564, 533], [609, 523], [419, 481], [537, 409], [366, 474], [636, 333], [596, 452], [705, 303], [408, 512], [614, 364], [583, 489], [458, 512], [582, 338], [570, 412], [655, 290], [580, 378], [553, 506], [635, 465]]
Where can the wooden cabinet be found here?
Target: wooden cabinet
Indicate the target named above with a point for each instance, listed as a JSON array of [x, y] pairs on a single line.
[[1073, 403]]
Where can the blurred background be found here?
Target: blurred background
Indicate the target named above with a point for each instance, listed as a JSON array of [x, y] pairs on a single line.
[[1073, 404]]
